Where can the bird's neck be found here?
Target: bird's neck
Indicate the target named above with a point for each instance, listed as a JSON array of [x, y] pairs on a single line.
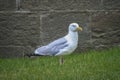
[[73, 36]]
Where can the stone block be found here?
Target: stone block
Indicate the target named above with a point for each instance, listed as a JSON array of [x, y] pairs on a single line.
[[105, 29], [29, 49], [7, 5], [19, 29], [55, 25], [111, 4], [38, 5], [11, 51]]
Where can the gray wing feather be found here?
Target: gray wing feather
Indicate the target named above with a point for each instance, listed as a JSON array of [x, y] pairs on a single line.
[[52, 48]]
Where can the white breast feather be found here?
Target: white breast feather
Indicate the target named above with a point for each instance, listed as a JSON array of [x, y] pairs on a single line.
[[72, 41]]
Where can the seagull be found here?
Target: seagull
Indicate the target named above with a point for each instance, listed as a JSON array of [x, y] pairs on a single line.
[[62, 46]]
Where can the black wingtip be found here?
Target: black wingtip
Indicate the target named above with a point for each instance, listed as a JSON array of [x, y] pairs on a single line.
[[30, 55]]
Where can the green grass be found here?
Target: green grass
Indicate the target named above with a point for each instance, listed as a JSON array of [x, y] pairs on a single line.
[[92, 65]]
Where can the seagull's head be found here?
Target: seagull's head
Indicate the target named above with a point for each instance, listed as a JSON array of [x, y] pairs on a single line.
[[75, 27]]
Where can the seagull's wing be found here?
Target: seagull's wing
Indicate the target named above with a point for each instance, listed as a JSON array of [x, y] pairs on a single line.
[[52, 48]]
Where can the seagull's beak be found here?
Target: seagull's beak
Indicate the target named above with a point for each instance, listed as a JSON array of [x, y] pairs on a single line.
[[79, 28]]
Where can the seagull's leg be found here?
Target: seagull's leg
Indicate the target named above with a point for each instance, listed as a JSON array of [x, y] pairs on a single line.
[[61, 60]]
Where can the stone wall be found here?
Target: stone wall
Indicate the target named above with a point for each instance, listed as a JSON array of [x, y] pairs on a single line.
[[27, 24]]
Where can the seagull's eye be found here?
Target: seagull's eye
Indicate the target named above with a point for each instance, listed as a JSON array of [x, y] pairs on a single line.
[[74, 26]]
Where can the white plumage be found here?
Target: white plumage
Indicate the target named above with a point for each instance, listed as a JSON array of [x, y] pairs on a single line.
[[62, 46]]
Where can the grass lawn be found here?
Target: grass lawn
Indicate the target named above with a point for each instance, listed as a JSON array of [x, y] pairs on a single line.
[[92, 65]]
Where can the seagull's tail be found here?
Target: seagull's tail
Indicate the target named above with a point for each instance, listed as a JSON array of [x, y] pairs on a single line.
[[31, 55]]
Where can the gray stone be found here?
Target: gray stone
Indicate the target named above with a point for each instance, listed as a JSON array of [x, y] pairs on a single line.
[[55, 25], [7, 5], [28, 49], [111, 4], [37, 5], [105, 29], [28, 24], [11, 51], [19, 29]]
